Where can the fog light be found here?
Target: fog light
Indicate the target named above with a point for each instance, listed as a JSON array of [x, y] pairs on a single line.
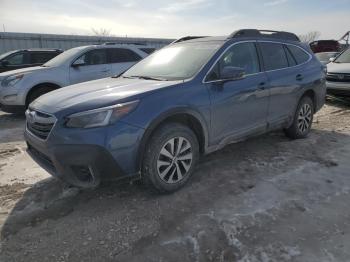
[[10, 98]]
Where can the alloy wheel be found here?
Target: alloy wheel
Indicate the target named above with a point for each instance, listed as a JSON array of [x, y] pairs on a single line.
[[304, 118], [174, 160]]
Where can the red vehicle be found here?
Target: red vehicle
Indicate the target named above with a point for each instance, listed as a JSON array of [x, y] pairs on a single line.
[[321, 46]]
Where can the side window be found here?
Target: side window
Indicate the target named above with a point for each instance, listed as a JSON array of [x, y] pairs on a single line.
[[122, 55], [41, 57], [242, 55], [273, 55], [290, 58], [17, 59], [299, 55], [94, 57]]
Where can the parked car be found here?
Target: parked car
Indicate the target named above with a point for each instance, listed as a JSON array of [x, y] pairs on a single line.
[[190, 98], [20, 87], [326, 56], [321, 46], [26, 58], [338, 74]]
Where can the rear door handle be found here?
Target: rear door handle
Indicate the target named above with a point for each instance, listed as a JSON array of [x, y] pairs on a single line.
[[261, 86], [299, 77]]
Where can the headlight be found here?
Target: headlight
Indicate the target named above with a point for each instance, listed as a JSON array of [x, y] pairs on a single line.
[[101, 116], [12, 80]]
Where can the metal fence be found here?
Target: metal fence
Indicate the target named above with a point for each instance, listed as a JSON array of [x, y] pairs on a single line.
[[13, 41]]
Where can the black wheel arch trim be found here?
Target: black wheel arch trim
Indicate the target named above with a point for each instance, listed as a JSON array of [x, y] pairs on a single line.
[[34, 87], [162, 118]]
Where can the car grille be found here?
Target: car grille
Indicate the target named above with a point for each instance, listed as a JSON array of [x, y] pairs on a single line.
[[338, 77], [39, 124]]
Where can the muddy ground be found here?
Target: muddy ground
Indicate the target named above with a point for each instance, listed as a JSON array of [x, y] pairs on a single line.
[[266, 199]]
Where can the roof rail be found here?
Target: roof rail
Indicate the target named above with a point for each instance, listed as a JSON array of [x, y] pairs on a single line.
[[114, 43], [265, 33], [41, 49], [186, 38]]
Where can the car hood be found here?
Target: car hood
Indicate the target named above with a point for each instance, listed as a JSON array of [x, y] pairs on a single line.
[[97, 93], [343, 68], [21, 71]]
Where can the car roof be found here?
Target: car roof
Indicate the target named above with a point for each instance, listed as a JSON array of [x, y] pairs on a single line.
[[324, 41]]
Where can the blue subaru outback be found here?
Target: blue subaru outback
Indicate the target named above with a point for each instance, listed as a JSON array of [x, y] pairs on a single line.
[[190, 98]]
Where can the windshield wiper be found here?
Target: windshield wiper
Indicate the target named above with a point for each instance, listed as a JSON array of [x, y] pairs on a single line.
[[148, 78]]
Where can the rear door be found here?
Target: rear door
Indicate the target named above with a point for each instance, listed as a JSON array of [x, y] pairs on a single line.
[[121, 59], [285, 81], [238, 107], [90, 66]]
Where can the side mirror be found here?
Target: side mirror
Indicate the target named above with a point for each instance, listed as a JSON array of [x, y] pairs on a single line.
[[5, 63], [332, 59], [232, 73]]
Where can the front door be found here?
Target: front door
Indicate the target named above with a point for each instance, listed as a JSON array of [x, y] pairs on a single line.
[[90, 66], [15, 61], [238, 107]]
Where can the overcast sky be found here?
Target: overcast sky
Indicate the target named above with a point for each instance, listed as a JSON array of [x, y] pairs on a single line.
[[172, 19]]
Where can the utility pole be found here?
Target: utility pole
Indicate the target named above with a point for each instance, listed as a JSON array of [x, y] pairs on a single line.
[[3, 27]]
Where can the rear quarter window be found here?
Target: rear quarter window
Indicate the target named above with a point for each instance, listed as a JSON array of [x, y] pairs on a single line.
[[299, 54], [148, 50]]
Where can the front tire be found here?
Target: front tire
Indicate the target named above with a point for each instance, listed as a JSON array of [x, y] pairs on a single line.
[[303, 117], [170, 158]]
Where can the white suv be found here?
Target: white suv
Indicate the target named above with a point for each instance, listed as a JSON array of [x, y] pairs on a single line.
[[19, 88]]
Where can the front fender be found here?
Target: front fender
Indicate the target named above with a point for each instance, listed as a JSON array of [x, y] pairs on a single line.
[[162, 117]]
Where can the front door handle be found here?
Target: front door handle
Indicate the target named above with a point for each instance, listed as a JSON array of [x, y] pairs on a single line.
[[299, 77]]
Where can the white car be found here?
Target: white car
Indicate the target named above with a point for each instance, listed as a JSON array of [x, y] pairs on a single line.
[[326, 56], [338, 74], [18, 88]]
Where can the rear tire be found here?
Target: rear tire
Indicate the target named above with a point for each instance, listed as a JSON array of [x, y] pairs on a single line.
[[170, 157], [303, 117], [37, 93]]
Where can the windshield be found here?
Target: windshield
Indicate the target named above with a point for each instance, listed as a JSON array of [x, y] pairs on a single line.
[[344, 57], [6, 54], [62, 58], [326, 56], [175, 62]]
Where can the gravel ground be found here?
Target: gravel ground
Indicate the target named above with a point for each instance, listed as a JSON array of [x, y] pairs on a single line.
[[266, 199]]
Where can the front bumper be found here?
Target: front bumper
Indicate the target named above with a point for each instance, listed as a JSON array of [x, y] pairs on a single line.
[[85, 157], [12, 96], [12, 108], [338, 87]]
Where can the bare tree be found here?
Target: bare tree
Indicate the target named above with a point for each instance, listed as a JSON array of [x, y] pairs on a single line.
[[101, 32], [310, 36]]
